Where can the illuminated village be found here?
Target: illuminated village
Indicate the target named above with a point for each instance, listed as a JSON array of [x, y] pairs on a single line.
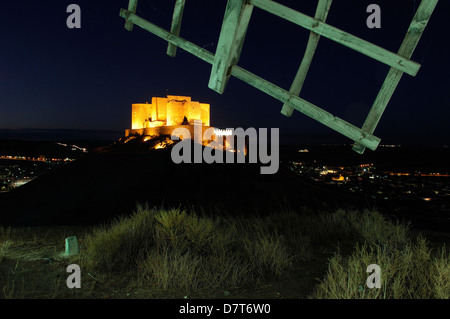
[[378, 183], [19, 169]]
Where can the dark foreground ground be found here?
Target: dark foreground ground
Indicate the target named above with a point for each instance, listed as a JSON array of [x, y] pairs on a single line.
[[32, 267]]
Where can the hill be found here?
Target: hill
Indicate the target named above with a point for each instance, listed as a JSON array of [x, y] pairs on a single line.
[[112, 180]]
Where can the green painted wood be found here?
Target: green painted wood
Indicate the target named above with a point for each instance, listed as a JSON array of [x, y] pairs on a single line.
[[322, 10], [342, 37], [231, 39], [176, 25], [167, 36], [132, 5], [394, 76]]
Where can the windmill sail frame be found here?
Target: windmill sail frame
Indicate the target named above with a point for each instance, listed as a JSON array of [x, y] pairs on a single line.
[[232, 37]]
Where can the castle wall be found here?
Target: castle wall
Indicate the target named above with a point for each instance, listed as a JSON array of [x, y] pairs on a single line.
[[204, 113], [160, 108], [175, 112], [193, 111], [139, 112]]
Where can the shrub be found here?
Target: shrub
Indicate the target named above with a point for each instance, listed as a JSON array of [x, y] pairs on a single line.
[[119, 246], [182, 231], [4, 246], [406, 273], [268, 255], [5, 233], [176, 250]]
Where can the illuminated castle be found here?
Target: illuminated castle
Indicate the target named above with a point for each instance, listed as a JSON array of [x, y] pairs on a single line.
[[165, 114]]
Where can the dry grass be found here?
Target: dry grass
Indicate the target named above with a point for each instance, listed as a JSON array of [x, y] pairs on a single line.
[[171, 249], [176, 250], [408, 272]]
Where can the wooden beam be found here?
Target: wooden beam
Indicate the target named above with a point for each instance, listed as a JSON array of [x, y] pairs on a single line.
[[322, 10], [394, 60], [320, 115], [132, 5], [176, 25], [169, 37], [231, 40], [394, 76]]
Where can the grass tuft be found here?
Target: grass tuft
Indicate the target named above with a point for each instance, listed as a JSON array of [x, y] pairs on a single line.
[[408, 272], [176, 250]]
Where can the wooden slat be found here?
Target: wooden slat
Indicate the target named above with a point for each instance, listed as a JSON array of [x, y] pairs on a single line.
[[132, 5], [169, 37], [322, 10], [176, 25], [407, 48], [335, 34], [231, 39]]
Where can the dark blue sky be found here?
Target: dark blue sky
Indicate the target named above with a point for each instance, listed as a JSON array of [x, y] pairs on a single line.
[[54, 77]]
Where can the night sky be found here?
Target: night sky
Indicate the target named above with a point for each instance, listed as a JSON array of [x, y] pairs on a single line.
[[53, 77]]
